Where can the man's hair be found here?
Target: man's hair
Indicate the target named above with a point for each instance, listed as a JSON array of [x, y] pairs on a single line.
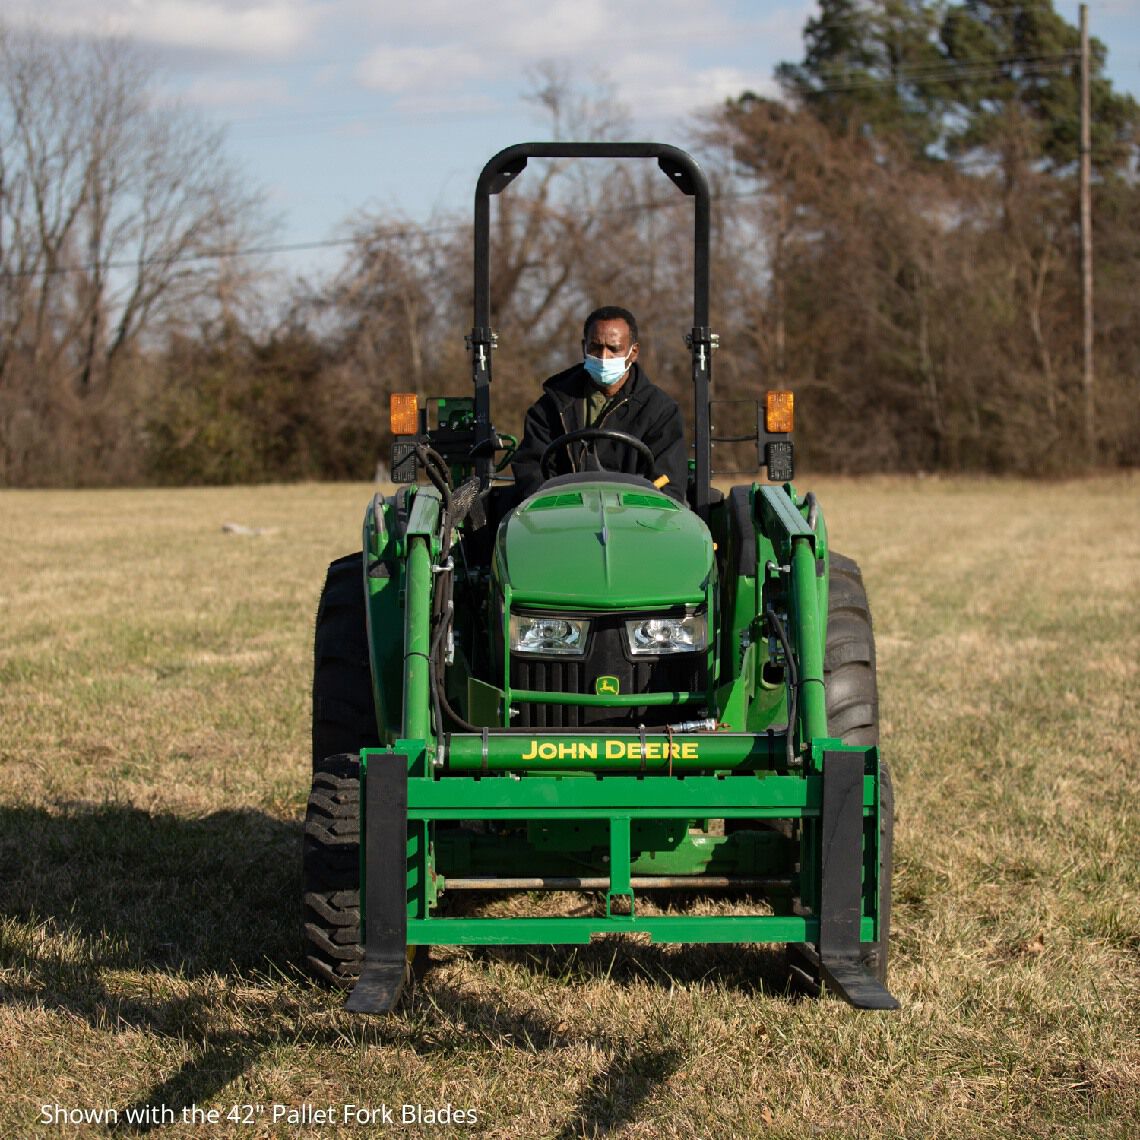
[[611, 313]]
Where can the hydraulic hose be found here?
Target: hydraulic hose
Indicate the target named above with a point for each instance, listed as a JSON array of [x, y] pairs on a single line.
[[777, 627], [443, 608]]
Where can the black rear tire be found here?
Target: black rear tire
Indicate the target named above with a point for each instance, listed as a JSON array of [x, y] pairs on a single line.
[[850, 677], [849, 663], [344, 714], [344, 721]]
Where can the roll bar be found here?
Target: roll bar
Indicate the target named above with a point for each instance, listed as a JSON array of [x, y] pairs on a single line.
[[682, 169]]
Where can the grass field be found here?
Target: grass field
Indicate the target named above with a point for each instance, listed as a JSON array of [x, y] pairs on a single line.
[[154, 759]]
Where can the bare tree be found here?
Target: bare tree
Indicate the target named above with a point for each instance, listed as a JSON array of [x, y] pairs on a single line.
[[568, 236], [113, 208]]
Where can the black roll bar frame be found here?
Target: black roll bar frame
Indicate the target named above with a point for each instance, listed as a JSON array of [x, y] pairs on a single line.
[[682, 169]]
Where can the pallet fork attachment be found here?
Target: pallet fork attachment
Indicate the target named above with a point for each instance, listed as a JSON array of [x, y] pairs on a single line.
[[386, 890], [385, 853], [840, 958]]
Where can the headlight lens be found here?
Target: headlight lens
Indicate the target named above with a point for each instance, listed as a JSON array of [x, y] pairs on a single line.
[[654, 636], [559, 635]]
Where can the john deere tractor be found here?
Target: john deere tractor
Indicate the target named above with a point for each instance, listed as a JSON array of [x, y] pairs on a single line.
[[595, 688]]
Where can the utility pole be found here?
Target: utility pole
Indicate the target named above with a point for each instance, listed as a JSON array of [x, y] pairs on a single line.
[[1086, 245]]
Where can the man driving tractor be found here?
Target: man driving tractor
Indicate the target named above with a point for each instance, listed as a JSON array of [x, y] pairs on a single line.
[[610, 393]]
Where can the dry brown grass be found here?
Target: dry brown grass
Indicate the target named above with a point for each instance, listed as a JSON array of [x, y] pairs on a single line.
[[153, 723]]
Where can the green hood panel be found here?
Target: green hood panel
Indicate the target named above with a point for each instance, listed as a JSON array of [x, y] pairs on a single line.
[[604, 546]]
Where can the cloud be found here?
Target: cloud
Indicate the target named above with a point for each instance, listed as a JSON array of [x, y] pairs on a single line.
[[420, 69], [210, 91], [699, 91], [273, 28], [654, 92], [662, 56], [263, 29]]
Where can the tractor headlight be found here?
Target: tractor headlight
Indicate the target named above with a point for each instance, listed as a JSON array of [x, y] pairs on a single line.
[[653, 636], [560, 635]]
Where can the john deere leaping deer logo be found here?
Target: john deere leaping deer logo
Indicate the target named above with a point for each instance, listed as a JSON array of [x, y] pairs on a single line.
[[607, 687]]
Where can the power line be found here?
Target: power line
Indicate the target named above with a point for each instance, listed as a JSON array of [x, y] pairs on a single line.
[[319, 120], [1035, 65], [998, 63], [903, 78], [221, 255], [399, 233]]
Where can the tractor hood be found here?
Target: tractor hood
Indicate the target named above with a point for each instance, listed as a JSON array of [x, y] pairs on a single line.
[[605, 546]]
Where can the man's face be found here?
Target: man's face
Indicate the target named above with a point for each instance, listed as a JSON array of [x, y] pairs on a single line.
[[607, 339]]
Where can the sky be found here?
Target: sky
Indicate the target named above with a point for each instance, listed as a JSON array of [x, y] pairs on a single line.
[[338, 107]]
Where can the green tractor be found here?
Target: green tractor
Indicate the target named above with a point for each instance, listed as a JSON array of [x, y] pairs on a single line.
[[599, 689]]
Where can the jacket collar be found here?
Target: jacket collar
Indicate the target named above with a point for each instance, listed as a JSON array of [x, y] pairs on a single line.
[[575, 384]]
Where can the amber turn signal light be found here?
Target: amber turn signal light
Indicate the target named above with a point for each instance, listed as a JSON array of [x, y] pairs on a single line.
[[404, 411], [778, 411]]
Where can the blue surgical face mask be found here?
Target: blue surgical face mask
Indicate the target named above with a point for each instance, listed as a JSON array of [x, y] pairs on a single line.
[[607, 372]]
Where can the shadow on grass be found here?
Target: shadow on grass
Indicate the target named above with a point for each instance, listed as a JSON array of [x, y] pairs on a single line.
[[193, 906], [613, 1096], [197, 896], [744, 969], [185, 903]]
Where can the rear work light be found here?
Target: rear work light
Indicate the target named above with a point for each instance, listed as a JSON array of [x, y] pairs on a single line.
[[404, 412], [779, 411]]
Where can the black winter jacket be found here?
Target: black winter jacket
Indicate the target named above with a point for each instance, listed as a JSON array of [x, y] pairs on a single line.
[[640, 409]]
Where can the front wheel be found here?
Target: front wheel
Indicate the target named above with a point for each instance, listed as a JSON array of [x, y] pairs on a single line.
[[330, 930], [331, 871]]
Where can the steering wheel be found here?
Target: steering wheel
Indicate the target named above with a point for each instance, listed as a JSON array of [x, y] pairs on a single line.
[[644, 454]]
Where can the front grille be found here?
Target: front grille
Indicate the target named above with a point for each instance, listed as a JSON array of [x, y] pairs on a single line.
[[607, 655]]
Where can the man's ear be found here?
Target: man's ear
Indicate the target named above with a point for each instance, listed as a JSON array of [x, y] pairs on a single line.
[[634, 352]]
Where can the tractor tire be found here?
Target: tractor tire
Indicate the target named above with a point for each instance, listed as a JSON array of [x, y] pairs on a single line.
[[331, 872], [850, 677], [849, 661], [334, 954], [849, 673], [344, 714]]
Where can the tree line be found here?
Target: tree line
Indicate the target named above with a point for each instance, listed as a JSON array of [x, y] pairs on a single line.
[[895, 239]]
